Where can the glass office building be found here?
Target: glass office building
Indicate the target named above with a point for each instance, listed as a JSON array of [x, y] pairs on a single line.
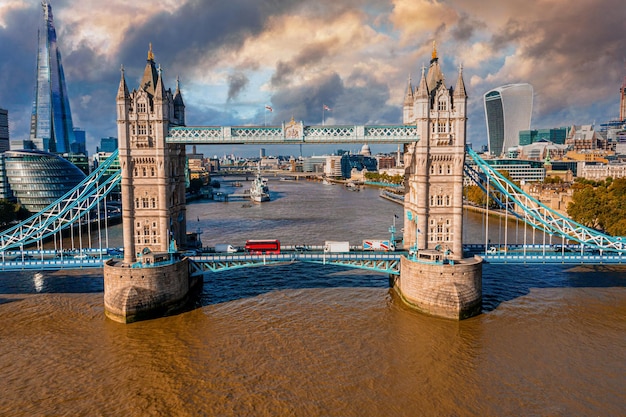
[[51, 127], [507, 110], [558, 136], [358, 162], [39, 178]]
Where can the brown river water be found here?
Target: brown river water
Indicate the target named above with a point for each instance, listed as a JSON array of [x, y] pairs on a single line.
[[302, 340]]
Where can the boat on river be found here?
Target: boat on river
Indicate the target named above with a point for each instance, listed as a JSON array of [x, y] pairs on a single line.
[[259, 191]]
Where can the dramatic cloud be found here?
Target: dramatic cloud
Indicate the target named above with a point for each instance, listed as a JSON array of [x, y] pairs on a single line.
[[354, 56], [236, 83]]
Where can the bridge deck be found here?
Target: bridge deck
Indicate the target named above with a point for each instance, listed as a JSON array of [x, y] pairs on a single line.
[[387, 262]]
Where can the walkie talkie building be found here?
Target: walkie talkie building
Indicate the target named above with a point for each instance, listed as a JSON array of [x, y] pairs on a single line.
[[507, 110], [51, 127]]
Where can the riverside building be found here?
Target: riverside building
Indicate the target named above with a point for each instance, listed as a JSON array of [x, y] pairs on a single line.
[[39, 178]]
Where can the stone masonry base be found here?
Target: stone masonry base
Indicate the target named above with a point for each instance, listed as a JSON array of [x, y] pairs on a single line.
[[451, 291], [132, 294]]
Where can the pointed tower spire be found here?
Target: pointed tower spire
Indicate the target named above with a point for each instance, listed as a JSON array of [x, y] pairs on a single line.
[[122, 91], [408, 98], [422, 90], [178, 97], [459, 89], [179, 105], [435, 75], [150, 75], [159, 90]]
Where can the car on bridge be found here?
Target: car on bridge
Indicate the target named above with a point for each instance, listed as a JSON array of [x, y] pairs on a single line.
[[562, 248]]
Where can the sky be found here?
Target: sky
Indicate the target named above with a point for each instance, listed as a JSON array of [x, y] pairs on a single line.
[[355, 56]]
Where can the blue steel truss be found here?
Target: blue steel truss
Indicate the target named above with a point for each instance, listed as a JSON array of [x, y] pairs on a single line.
[[295, 133], [77, 203], [66, 211], [537, 215], [386, 262]]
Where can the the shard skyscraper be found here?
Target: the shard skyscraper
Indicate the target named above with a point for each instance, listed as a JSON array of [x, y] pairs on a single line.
[[51, 127]]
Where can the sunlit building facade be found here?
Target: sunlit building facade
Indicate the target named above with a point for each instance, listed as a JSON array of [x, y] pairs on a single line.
[[51, 127], [508, 111]]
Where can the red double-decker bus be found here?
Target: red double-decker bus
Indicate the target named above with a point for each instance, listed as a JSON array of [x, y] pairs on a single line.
[[259, 247]]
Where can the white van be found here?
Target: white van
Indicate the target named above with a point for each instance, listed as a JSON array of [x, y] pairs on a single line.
[[225, 248]]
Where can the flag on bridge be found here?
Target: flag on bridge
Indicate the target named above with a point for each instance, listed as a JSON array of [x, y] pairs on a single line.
[[269, 108]]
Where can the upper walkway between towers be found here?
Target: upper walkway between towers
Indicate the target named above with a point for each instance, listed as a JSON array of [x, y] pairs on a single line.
[[292, 133]]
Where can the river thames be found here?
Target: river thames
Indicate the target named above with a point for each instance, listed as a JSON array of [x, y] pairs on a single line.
[[312, 340]]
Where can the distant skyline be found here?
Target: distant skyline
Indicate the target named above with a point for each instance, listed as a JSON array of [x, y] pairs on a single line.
[[234, 58]]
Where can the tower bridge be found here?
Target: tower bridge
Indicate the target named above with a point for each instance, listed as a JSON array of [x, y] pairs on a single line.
[[152, 136], [433, 272]]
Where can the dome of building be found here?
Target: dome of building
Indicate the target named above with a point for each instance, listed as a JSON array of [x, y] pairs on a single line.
[[39, 178], [365, 150]]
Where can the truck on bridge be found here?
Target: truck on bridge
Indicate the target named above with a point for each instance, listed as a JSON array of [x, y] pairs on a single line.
[[379, 245], [332, 246], [225, 248]]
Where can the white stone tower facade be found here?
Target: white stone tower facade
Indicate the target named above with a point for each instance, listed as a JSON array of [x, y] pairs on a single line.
[[153, 171], [434, 165]]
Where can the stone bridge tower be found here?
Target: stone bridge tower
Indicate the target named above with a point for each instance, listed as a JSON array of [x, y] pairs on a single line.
[[153, 171], [152, 279], [435, 278], [434, 199]]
